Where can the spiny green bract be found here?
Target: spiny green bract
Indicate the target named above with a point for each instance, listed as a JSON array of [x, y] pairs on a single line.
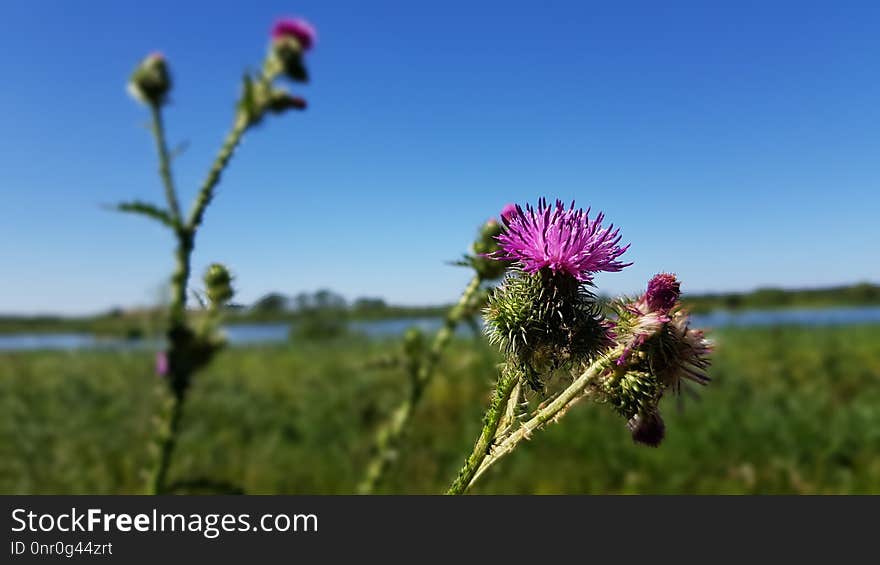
[[544, 321], [633, 392]]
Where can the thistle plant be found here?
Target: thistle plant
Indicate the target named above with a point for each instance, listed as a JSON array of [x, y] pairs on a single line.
[[191, 346], [546, 320], [419, 361]]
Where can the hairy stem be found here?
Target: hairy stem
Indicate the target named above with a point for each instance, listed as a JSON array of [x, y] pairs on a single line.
[[165, 163], [551, 412], [180, 277], [167, 444], [178, 332], [206, 192], [455, 315], [497, 408], [389, 436]]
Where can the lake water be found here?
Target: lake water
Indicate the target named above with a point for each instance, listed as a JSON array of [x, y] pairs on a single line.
[[251, 334]]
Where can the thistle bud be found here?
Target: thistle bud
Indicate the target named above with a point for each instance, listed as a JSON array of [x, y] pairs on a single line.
[[632, 393], [290, 40], [484, 247], [663, 292], [297, 29], [413, 343], [218, 284], [150, 82], [647, 429]]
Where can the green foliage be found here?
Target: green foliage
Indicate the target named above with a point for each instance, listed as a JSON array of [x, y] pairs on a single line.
[[270, 303], [316, 325], [319, 316], [791, 410]]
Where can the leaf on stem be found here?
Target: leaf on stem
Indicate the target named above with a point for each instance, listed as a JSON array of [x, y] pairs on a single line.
[[248, 104], [146, 209]]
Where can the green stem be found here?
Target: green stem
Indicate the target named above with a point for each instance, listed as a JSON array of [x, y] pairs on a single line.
[[180, 277], [206, 192], [166, 446], [179, 334], [553, 411], [165, 163], [508, 380], [389, 436], [441, 340]]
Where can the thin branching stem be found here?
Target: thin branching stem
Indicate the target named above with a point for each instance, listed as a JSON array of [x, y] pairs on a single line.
[[389, 436], [553, 411], [166, 447], [206, 192], [165, 163], [185, 234]]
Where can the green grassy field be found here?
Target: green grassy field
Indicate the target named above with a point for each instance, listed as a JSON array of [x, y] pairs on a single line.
[[791, 410]]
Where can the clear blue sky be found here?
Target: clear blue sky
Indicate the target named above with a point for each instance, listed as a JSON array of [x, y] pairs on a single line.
[[735, 143]]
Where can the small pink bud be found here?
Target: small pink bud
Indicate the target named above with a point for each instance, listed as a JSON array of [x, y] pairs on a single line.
[[508, 211], [298, 29]]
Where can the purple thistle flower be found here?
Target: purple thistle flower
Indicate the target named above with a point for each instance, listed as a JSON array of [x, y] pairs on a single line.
[[299, 29], [663, 293], [566, 241], [162, 363]]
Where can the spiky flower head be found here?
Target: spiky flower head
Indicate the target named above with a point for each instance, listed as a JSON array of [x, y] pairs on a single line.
[[291, 38], [653, 329], [682, 353], [663, 292], [564, 241], [151, 81], [656, 350], [295, 28], [545, 321]]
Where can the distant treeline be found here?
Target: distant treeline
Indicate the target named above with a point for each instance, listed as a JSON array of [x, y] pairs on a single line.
[[862, 294], [276, 307]]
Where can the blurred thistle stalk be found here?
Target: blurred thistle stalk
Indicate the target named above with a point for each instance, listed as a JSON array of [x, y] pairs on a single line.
[[546, 320], [421, 365], [192, 348]]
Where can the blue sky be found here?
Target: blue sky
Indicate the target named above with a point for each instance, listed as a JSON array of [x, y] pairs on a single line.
[[735, 143]]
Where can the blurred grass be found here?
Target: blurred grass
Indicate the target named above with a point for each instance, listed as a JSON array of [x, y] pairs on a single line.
[[791, 410]]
